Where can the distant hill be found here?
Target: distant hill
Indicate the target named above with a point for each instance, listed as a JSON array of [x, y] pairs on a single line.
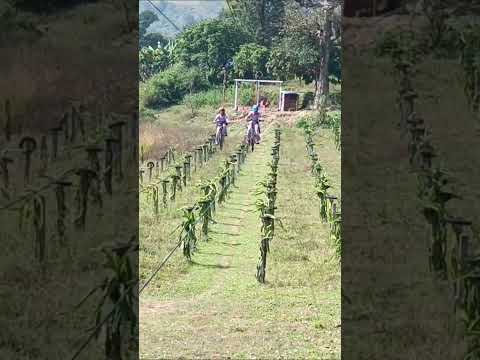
[[182, 12]]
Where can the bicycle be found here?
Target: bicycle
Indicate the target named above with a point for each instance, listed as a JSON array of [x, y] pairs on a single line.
[[252, 135], [220, 136]]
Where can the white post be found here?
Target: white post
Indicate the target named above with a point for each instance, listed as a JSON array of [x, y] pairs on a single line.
[[258, 92], [236, 95], [280, 99]]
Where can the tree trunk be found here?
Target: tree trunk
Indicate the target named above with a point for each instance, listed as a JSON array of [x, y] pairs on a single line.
[[322, 88]]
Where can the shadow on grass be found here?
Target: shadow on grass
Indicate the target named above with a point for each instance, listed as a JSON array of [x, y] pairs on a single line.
[[230, 244], [240, 204], [224, 233], [213, 253], [233, 217], [237, 209], [228, 224], [215, 266]]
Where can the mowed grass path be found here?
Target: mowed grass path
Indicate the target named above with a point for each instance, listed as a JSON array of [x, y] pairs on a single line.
[[215, 309]]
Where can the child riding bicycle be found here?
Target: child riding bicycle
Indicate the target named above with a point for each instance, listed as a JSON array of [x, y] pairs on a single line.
[[221, 121], [253, 120]]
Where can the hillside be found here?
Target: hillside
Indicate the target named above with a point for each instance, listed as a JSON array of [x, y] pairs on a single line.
[[182, 13]]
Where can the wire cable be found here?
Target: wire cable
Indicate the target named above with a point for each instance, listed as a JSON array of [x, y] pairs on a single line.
[[165, 16]]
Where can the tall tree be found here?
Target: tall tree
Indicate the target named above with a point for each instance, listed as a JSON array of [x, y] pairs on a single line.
[[210, 45], [262, 18], [316, 20]]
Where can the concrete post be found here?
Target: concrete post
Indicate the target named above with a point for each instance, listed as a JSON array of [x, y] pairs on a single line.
[[236, 95]]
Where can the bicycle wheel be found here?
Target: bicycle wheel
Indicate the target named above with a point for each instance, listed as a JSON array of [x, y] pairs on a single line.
[[221, 139], [251, 139]]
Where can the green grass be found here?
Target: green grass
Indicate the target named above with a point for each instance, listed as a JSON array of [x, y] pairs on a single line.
[[215, 304]]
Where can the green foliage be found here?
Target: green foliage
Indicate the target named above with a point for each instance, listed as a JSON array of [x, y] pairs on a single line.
[[262, 19], [188, 235], [153, 40], [210, 45], [146, 18], [116, 310], [210, 98], [250, 59], [152, 61], [330, 119], [294, 56], [328, 204], [298, 55], [403, 47], [192, 102], [214, 96], [170, 86], [335, 64]]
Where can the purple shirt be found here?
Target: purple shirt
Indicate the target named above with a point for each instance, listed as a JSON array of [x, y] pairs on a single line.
[[221, 120]]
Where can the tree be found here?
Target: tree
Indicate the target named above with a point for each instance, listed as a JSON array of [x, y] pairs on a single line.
[[263, 19], [251, 59], [294, 56], [297, 56], [146, 19], [210, 45], [314, 20], [153, 40]]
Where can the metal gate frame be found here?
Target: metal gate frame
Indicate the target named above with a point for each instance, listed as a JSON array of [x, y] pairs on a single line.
[[258, 82]]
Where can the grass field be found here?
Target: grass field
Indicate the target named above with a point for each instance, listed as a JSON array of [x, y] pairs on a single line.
[[213, 307]]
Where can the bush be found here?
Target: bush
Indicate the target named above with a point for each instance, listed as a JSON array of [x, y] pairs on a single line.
[[212, 98], [147, 115], [307, 100], [170, 86], [336, 99], [330, 119], [248, 95]]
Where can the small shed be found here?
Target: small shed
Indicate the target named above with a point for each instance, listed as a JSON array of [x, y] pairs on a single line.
[[289, 101]]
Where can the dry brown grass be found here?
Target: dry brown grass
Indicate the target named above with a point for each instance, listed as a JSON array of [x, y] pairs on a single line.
[[157, 139]]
